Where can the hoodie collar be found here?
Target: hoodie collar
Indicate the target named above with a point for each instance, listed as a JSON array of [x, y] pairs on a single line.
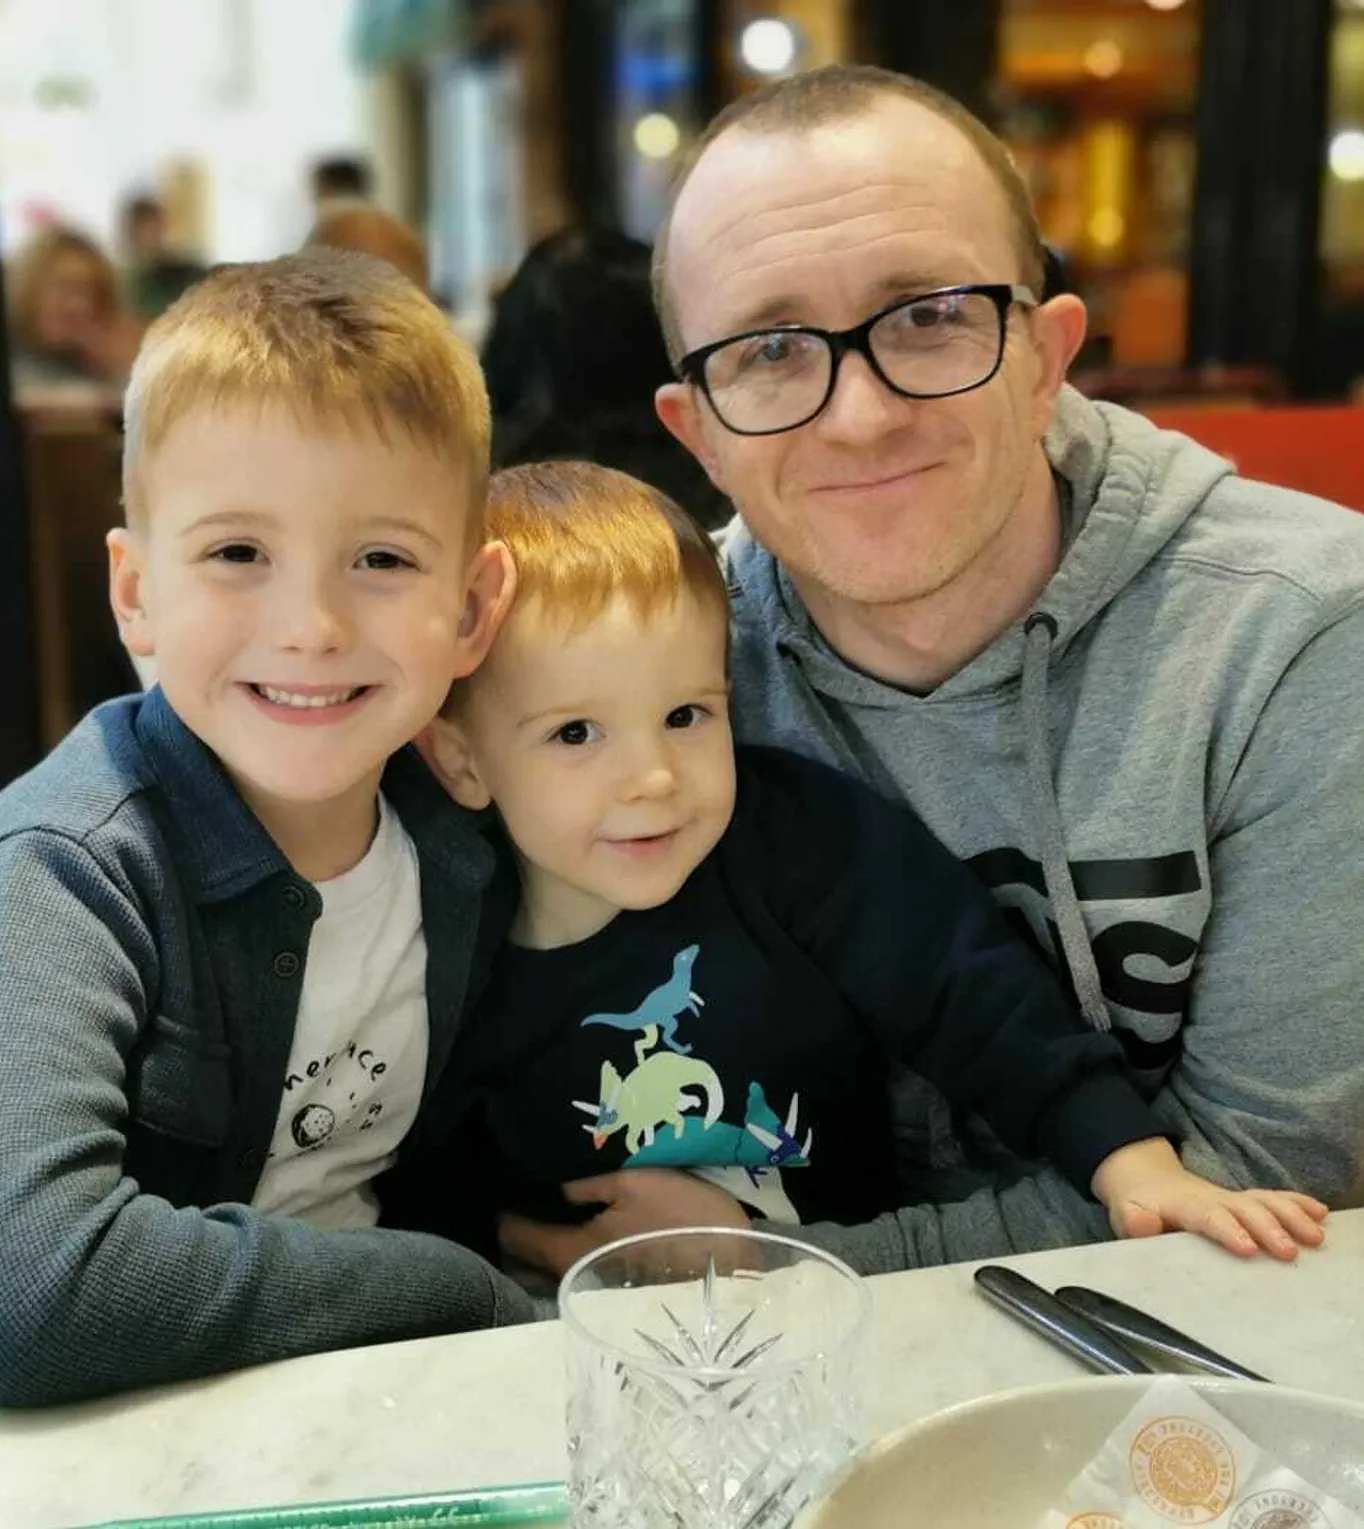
[[1131, 486]]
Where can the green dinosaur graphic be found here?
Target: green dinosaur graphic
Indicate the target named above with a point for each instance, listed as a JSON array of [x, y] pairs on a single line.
[[650, 1097]]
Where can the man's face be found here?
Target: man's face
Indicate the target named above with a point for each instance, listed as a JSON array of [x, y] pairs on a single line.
[[880, 499]]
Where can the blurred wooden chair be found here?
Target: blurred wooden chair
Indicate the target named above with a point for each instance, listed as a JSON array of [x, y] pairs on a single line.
[[72, 470], [1317, 450]]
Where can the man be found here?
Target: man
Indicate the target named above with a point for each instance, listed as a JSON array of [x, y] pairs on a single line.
[[1124, 684]]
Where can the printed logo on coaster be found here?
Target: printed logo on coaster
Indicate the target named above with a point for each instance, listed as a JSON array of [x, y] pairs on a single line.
[[1096, 1519], [1279, 1510], [1183, 1469]]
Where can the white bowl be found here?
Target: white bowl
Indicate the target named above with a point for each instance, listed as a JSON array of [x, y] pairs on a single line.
[[1003, 1461]]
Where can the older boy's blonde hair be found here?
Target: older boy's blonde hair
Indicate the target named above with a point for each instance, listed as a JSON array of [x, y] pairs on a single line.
[[581, 536], [333, 336]]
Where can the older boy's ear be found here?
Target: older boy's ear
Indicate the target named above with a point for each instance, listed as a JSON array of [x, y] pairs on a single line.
[[444, 747], [491, 588], [127, 592]]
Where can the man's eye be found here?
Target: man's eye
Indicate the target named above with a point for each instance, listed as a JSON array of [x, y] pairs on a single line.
[[776, 350], [384, 558], [575, 733], [687, 716], [236, 552], [935, 312]]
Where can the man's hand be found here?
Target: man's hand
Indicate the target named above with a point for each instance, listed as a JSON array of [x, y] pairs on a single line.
[[1147, 1190], [634, 1200]]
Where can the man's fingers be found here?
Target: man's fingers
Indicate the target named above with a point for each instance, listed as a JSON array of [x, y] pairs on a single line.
[[602, 1190], [543, 1246]]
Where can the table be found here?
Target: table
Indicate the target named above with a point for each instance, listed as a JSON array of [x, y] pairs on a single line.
[[443, 1414]]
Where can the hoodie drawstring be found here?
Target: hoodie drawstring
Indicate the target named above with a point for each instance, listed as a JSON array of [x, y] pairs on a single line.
[[1040, 632]]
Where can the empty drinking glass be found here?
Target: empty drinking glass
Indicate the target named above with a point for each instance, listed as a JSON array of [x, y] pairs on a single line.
[[713, 1379]]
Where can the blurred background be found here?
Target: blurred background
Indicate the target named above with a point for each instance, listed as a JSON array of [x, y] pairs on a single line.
[[1198, 166]]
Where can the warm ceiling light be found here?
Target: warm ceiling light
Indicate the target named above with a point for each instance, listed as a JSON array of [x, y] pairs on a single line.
[[768, 46], [1104, 58], [656, 136], [1346, 155], [1165, 5], [1106, 227]]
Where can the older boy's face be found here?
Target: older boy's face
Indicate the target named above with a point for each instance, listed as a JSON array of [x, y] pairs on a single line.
[[609, 756], [302, 594]]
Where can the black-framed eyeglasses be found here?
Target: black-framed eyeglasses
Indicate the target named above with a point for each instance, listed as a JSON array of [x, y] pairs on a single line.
[[765, 381]]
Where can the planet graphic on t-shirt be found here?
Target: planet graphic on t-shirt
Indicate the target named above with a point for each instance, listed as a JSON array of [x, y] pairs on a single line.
[[313, 1124]]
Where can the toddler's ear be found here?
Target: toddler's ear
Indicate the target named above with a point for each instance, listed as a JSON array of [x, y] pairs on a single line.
[[445, 748]]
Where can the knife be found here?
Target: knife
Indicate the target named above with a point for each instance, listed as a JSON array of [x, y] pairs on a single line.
[[1039, 1309], [1135, 1326]]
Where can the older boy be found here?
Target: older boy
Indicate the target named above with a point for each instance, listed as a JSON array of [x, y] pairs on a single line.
[[218, 1013], [713, 967]]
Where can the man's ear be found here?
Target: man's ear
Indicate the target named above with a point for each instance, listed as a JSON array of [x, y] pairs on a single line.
[[128, 591], [677, 405], [489, 595], [444, 746], [1058, 328]]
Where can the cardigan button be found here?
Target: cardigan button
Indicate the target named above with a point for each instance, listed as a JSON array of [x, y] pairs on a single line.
[[294, 896], [287, 964]]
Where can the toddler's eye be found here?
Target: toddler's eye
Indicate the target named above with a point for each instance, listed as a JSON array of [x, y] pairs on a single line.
[[576, 733], [236, 552], [384, 559], [688, 715]]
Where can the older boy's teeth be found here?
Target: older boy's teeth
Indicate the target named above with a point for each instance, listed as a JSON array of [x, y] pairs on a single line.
[[303, 702]]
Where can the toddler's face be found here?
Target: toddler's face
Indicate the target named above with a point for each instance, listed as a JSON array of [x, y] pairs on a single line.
[[609, 756]]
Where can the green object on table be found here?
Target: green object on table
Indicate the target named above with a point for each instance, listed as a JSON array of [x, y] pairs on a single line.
[[517, 1507]]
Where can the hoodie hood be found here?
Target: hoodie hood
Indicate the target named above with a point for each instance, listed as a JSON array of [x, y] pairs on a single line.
[[1131, 486]]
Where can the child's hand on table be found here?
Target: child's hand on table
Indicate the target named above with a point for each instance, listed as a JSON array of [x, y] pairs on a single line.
[[1147, 1190]]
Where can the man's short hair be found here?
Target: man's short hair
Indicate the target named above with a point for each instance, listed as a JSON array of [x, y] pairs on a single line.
[[334, 337], [582, 536], [835, 94]]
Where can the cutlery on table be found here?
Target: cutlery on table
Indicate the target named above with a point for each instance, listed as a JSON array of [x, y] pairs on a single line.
[[1132, 1325], [1038, 1308]]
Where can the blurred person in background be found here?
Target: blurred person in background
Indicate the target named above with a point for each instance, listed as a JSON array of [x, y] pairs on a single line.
[[342, 180], [154, 275], [66, 316], [372, 232], [572, 359]]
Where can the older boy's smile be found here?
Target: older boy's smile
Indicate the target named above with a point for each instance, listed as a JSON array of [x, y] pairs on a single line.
[[299, 629], [309, 705]]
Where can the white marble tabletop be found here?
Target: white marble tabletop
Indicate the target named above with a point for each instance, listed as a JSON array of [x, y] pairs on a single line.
[[444, 1414]]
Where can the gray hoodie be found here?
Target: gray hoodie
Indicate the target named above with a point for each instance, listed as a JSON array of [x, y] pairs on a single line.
[[1160, 772]]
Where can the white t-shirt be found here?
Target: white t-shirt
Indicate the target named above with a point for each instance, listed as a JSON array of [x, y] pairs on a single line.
[[358, 1060]]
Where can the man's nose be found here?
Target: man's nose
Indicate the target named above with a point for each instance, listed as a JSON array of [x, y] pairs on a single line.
[[863, 409]]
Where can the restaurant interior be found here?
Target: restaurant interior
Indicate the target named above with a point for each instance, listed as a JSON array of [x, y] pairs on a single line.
[[1198, 172]]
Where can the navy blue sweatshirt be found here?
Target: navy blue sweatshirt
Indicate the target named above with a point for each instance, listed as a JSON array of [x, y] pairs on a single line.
[[752, 1023]]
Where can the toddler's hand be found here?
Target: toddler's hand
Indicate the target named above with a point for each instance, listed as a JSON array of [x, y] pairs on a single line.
[[1147, 1191]]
